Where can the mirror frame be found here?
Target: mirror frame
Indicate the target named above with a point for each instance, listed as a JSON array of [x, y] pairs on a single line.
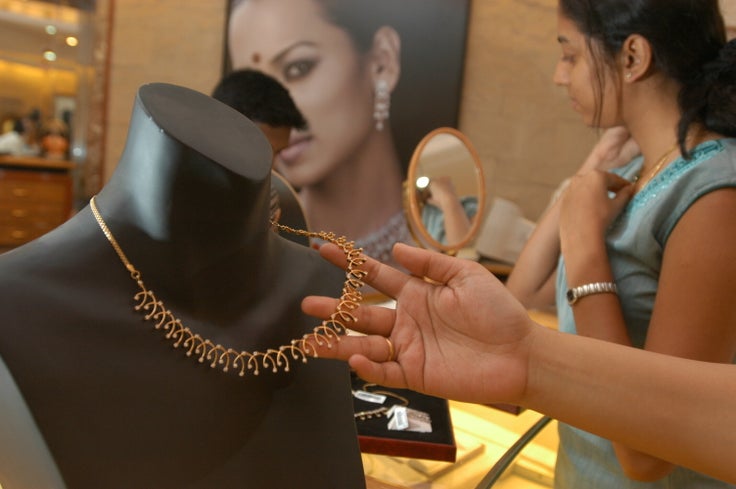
[[411, 204]]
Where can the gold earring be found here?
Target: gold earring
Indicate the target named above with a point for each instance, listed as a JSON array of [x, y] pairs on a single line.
[[629, 75]]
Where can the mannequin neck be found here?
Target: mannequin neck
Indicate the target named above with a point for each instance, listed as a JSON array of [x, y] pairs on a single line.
[[189, 199]]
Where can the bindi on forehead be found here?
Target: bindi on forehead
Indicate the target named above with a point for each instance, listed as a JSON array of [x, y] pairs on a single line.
[[256, 58]]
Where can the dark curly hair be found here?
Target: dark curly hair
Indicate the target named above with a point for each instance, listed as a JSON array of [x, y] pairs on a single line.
[[688, 40], [260, 98]]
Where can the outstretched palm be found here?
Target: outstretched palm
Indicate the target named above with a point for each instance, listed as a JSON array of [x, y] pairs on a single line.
[[457, 332]]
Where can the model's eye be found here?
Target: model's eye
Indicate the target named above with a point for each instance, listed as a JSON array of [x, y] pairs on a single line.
[[298, 69]]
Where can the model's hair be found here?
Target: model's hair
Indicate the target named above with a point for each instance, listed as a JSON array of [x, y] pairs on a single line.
[[259, 97], [360, 19], [688, 39]]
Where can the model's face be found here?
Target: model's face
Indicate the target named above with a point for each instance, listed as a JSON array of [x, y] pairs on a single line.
[[576, 71], [328, 80]]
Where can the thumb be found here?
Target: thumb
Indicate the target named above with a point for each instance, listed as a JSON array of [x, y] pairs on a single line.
[[616, 183], [623, 195]]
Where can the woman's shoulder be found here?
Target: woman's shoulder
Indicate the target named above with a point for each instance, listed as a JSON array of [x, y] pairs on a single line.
[[711, 163], [711, 167]]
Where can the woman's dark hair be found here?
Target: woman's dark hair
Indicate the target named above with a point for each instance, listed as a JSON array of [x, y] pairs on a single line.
[[688, 39], [360, 19]]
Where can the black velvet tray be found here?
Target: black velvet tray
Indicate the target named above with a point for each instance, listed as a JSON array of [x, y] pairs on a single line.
[[375, 437]]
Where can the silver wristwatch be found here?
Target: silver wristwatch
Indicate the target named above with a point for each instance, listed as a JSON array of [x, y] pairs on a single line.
[[576, 293]]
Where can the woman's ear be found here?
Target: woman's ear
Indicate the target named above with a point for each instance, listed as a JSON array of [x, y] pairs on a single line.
[[385, 55], [636, 58]]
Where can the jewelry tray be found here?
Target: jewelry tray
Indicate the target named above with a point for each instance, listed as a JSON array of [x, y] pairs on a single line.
[[375, 437]]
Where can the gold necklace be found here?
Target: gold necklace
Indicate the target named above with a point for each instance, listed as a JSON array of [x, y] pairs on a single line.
[[377, 396], [655, 169], [244, 361]]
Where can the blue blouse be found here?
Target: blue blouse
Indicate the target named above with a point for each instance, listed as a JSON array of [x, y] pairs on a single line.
[[636, 242]]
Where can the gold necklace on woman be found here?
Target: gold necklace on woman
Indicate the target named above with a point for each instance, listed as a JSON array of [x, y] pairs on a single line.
[[275, 359], [655, 169]]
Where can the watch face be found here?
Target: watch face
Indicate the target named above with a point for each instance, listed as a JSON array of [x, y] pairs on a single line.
[[571, 296]]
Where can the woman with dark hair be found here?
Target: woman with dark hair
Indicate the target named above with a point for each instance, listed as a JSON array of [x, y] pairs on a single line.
[[639, 254], [341, 61]]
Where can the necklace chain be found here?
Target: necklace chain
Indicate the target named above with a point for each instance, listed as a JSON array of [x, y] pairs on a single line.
[[655, 169], [275, 359], [382, 410]]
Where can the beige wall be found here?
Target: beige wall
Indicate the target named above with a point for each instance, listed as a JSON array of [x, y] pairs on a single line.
[[173, 41], [729, 12], [522, 125], [729, 15]]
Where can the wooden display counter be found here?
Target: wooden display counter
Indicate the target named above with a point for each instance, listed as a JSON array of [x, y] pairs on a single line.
[[36, 195]]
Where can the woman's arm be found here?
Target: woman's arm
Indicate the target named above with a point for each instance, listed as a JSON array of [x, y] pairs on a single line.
[[463, 336], [457, 222], [532, 280], [675, 409], [696, 287], [586, 214]]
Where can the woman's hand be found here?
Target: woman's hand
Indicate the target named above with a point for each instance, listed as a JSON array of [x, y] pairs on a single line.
[[456, 331], [590, 204], [615, 148], [442, 192]]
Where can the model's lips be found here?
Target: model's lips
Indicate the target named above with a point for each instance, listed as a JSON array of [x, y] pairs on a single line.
[[290, 155]]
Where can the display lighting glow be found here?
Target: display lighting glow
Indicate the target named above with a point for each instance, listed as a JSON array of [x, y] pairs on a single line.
[[422, 182]]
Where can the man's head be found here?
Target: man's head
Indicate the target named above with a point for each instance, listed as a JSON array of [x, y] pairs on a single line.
[[264, 101]]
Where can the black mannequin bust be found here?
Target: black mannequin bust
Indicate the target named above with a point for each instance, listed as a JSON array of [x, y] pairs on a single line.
[[117, 405]]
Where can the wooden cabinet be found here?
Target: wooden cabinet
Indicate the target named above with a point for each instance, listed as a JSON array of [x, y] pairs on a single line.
[[35, 197]]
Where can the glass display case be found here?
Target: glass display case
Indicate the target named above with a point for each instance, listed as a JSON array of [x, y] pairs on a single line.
[[483, 436], [498, 448]]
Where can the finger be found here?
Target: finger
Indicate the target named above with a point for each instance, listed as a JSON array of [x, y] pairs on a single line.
[[383, 278], [374, 348], [388, 374], [368, 319], [430, 264], [629, 150], [622, 196], [614, 182]]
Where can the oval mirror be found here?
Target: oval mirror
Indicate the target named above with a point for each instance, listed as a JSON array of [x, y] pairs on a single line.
[[444, 194]]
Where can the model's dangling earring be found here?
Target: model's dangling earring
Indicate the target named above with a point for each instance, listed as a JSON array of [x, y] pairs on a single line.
[[628, 75], [382, 104]]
